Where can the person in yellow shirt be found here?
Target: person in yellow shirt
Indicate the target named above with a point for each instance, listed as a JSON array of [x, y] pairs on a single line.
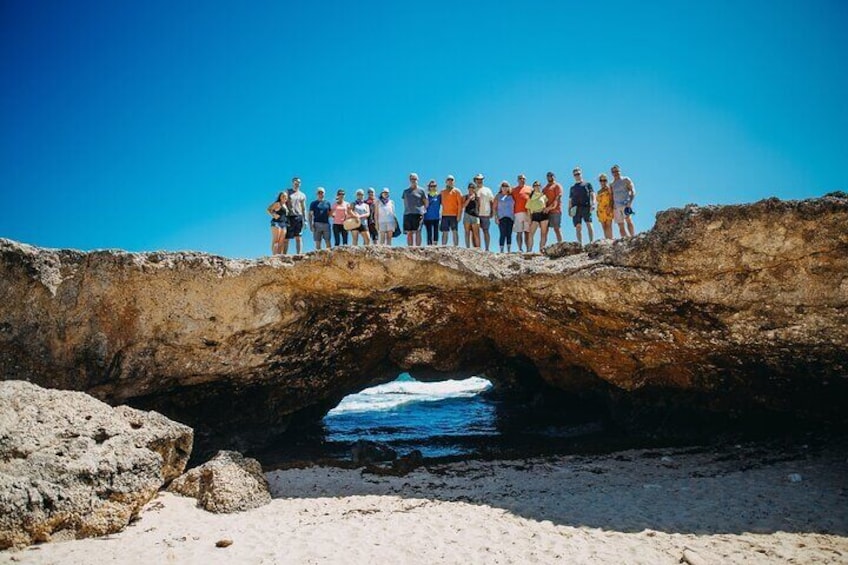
[[605, 206]]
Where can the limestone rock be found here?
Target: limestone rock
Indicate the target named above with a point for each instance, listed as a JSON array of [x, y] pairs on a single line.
[[229, 482], [363, 452], [72, 466], [718, 310]]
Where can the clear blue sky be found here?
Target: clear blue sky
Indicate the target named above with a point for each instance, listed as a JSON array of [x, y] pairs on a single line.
[[172, 125]]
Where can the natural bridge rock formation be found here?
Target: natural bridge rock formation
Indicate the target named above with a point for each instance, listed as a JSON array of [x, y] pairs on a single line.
[[717, 309]]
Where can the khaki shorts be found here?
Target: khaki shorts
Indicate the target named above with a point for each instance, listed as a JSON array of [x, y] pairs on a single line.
[[618, 215], [522, 222]]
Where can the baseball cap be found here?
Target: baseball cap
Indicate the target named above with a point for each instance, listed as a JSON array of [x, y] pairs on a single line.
[[479, 176]]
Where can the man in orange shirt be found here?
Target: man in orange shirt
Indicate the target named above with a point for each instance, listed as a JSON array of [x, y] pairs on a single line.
[[451, 211], [521, 194], [553, 192]]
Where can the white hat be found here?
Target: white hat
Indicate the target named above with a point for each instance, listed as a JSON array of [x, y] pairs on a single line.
[[479, 176]]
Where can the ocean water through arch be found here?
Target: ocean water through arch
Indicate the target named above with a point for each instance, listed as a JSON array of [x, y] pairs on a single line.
[[438, 418]]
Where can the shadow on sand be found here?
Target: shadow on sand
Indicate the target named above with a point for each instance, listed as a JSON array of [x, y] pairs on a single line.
[[758, 488]]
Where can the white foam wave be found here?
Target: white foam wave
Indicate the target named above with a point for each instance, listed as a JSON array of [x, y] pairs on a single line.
[[398, 393]]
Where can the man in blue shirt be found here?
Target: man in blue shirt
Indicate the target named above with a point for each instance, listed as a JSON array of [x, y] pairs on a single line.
[[319, 219]]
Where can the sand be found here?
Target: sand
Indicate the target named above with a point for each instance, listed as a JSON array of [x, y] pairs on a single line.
[[737, 504]]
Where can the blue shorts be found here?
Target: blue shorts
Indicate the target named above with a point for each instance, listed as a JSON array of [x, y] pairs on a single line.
[[555, 219], [484, 222], [449, 223], [279, 224]]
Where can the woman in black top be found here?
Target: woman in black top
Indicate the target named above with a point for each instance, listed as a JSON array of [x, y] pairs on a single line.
[[470, 219], [279, 212]]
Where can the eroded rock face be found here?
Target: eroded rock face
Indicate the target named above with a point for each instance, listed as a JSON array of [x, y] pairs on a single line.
[[722, 308], [229, 482], [71, 466]]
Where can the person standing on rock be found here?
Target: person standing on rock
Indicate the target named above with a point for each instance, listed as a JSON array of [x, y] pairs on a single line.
[[623, 193], [297, 211], [361, 210], [536, 206], [553, 192], [431, 216], [606, 212], [451, 198], [521, 194], [279, 221], [414, 207], [339, 211], [319, 219], [581, 202], [503, 210], [470, 221], [372, 221], [485, 197], [384, 214]]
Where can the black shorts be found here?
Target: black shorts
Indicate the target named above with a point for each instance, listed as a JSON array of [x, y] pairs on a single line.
[[539, 217], [584, 214], [411, 222], [295, 226]]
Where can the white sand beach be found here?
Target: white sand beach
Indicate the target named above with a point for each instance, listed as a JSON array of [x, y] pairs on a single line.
[[739, 504]]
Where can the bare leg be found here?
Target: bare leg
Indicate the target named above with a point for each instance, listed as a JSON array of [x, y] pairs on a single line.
[[621, 229], [579, 233], [558, 234], [298, 245], [631, 229], [591, 231], [544, 237]]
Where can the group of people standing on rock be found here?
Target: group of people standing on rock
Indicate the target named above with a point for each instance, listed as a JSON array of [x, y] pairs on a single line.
[[518, 211]]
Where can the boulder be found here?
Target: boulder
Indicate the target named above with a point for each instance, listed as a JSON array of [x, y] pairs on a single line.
[[71, 466], [400, 467], [229, 482], [364, 452]]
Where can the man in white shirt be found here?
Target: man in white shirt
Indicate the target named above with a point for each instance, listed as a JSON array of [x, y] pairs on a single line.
[[623, 193], [485, 197], [297, 209]]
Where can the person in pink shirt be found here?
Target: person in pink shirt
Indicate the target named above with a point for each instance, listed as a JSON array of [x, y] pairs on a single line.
[[339, 212]]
